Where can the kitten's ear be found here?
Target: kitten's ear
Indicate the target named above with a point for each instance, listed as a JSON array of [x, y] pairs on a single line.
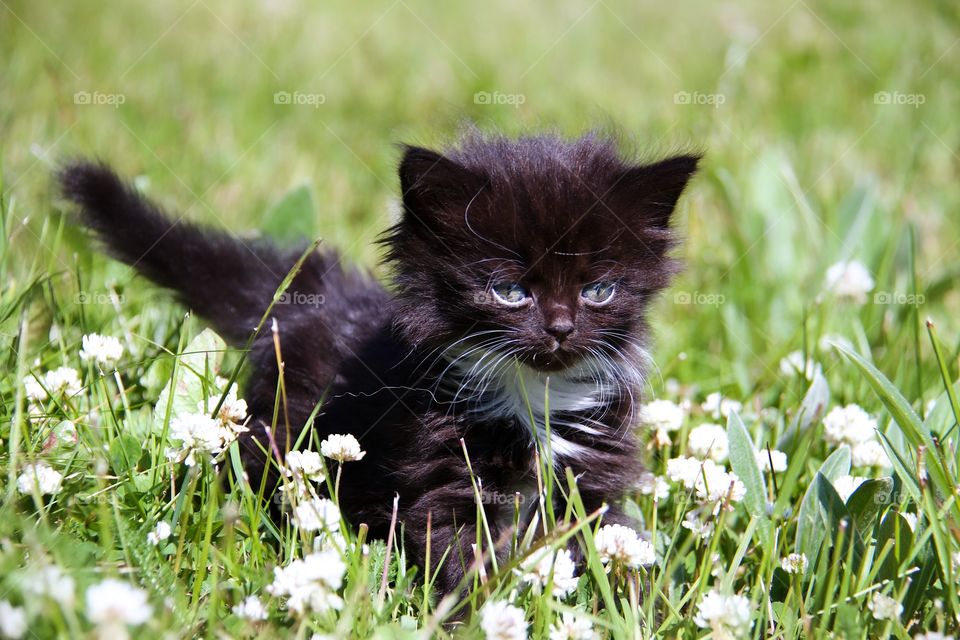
[[653, 189], [432, 183]]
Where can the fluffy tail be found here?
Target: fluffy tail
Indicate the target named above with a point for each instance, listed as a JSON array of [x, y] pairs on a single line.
[[224, 279]]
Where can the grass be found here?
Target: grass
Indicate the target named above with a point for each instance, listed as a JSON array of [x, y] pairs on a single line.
[[830, 134]]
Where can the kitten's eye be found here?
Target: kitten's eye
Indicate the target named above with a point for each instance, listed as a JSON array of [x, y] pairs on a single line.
[[510, 294], [598, 292]]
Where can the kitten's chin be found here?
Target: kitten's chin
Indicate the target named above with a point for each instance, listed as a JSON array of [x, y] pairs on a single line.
[[551, 362]]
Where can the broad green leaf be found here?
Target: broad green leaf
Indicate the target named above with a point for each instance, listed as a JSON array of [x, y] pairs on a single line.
[[920, 583], [820, 513], [743, 461], [293, 217], [199, 359], [894, 531], [837, 464], [125, 451], [810, 524], [868, 500]]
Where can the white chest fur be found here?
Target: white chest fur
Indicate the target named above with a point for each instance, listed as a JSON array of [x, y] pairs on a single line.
[[538, 400]]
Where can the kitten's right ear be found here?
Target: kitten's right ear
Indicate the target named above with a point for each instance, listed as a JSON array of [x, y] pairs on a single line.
[[432, 183]]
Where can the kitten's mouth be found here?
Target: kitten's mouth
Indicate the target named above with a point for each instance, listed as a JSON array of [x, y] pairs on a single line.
[[555, 360]]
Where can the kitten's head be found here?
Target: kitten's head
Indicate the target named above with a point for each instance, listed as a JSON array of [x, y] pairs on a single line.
[[543, 248]]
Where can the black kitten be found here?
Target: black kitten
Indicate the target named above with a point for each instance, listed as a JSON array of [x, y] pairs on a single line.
[[521, 266]]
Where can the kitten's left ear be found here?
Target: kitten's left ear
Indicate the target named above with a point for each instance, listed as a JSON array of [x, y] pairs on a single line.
[[432, 183], [653, 189]]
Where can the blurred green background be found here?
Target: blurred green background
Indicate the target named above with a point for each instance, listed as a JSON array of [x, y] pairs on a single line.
[[830, 131]]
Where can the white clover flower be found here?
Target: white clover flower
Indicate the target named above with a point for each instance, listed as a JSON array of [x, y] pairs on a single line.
[[317, 514], [307, 464], [870, 454], [794, 364], [795, 563], [712, 482], [342, 448], [63, 381], [884, 607], [115, 603], [701, 529], [541, 567], [311, 584], [846, 485], [34, 389], [41, 477], [199, 436], [160, 533], [720, 407], [727, 616], [779, 459], [653, 485], [848, 425], [708, 441], [570, 626], [684, 470], [502, 621], [251, 608], [13, 621], [932, 635], [662, 414], [618, 544], [716, 484], [233, 411], [51, 582], [849, 281], [103, 350]]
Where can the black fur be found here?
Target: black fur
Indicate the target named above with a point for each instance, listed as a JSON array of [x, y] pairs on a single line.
[[551, 214]]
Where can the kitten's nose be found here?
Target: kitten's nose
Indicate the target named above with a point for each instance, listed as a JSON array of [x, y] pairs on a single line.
[[560, 328]]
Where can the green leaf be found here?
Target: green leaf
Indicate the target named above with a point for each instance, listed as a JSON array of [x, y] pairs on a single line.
[[293, 217], [868, 500], [743, 461], [908, 421], [124, 453], [811, 525], [199, 360], [894, 531], [892, 399], [838, 464]]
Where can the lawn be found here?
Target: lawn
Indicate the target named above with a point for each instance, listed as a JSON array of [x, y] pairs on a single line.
[[807, 357]]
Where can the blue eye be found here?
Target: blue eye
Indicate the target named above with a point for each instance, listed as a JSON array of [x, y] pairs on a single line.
[[598, 292], [510, 294]]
